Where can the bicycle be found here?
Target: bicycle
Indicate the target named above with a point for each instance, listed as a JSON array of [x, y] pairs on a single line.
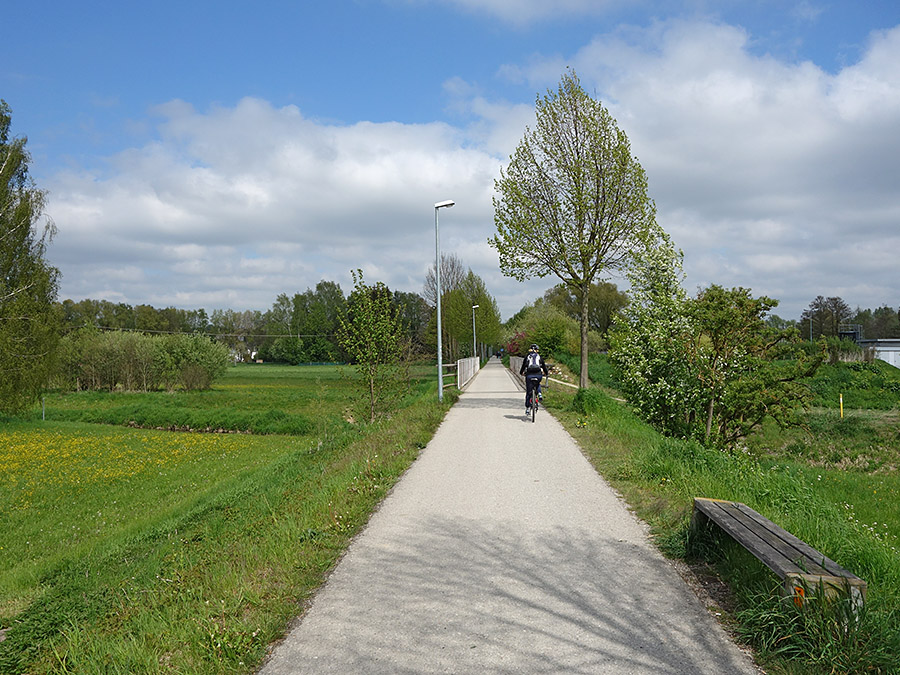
[[534, 403]]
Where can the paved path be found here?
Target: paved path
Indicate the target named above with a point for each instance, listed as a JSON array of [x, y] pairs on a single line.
[[502, 551]]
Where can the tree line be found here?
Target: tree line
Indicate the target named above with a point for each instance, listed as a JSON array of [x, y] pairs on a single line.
[[304, 327], [832, 317]]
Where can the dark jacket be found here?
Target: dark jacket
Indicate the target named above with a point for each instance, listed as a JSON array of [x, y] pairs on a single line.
[[531, 373]]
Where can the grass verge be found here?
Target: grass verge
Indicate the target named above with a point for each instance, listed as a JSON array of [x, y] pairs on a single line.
[[207, 553], [851, 517]]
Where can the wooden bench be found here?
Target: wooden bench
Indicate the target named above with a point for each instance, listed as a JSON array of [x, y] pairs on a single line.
[[802, 569]]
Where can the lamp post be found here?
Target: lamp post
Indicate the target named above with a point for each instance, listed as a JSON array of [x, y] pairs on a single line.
[[474, 307], [446, 204]]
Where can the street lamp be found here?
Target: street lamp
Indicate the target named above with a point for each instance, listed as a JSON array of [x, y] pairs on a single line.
[[446, 204], [474, 307]]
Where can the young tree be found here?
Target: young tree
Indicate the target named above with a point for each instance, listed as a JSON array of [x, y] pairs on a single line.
[[648, 342], [573, 200], [29, 316], [746, 371], [373, 337]]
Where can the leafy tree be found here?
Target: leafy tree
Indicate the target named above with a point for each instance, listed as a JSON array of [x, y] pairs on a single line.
[[604, 300], [776, 322], [316, 318], [239, 331], [29, 318], [373, 336], [545, 323], [823, 317], [885, 323], [649, 338], [573, 200], [707, 367], [746, 371]]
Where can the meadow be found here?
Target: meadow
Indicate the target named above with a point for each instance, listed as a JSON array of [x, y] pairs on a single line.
[[145, 550], [833, 483]]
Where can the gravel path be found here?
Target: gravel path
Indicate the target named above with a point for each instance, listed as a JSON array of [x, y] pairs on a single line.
[[502, 551]]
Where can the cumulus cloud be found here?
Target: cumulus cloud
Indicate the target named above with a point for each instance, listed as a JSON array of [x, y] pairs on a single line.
[[774, 175], [235, 205]]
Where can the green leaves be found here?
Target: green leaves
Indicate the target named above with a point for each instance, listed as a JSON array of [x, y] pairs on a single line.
[[708, 367], [374, 338], [28, 285], [573, 200]]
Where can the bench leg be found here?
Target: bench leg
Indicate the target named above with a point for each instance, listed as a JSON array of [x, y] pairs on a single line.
[[803, 589]]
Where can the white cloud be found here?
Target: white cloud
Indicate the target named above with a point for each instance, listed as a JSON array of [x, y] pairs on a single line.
[[776, 176], [749, 157], [236, 205]]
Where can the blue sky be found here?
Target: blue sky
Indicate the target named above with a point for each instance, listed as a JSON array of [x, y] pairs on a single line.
[[216, 154]]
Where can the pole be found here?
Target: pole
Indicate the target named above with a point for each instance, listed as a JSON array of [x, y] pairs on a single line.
[[474, 349], [437, 277]]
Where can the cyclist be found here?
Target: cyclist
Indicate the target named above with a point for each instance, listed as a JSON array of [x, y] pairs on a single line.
[[533, 368]]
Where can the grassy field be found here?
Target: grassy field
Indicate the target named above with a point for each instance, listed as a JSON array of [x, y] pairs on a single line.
[[139, 550], [144, 550], [834, 484]]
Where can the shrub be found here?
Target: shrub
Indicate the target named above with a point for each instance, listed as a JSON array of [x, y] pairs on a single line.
[[134, 362]]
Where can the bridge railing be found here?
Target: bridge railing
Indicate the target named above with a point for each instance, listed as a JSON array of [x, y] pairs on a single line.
[[466, 369]]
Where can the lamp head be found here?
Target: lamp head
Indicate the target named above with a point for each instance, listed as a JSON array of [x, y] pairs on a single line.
[[444, 204]]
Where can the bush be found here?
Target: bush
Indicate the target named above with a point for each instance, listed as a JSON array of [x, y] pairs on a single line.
[[126, 361]]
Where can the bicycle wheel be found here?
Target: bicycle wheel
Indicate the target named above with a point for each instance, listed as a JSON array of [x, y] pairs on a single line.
[[534, 407]]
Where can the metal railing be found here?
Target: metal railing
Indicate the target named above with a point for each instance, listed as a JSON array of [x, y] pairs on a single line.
[[466, 369]]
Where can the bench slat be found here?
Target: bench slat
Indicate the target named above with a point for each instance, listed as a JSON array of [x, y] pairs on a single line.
[[774, 546], [727, 518], [810, 554], [764, 544], [793, 560]]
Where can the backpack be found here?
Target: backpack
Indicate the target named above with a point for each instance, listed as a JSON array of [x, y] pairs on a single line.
[[533, 363]]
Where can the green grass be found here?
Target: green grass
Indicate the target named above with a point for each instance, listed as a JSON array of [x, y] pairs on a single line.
[[260, 399], [600, 371], [142, 551], [833, 484], [872, 386]]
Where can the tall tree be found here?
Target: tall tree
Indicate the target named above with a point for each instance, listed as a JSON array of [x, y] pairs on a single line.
[[29, 317], [452, 274], [838, 312], [824, 316], [885, 323], [414, 312], [573, 200]]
